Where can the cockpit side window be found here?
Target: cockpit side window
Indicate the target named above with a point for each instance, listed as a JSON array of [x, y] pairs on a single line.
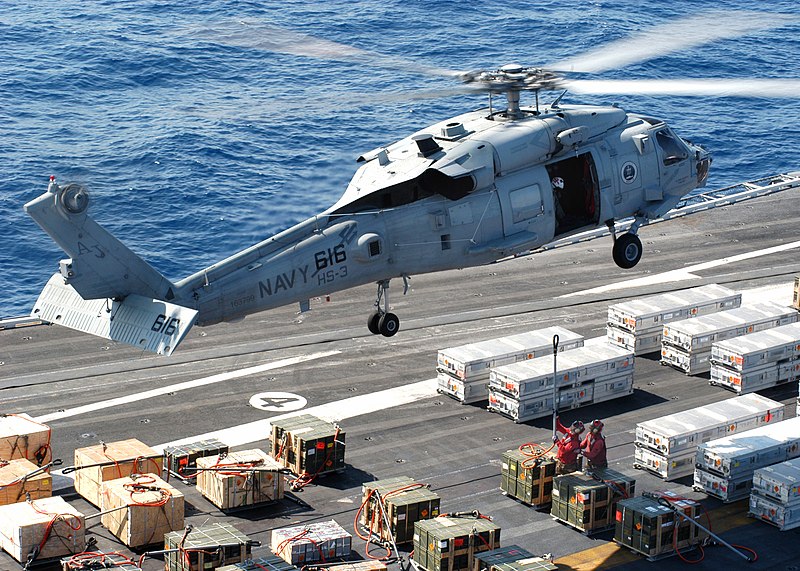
[[674, 151]]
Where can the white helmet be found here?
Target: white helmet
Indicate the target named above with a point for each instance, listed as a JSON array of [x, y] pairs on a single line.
[[557, 182]]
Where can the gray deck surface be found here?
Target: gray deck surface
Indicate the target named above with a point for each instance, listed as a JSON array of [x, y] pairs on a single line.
[[455, 448]]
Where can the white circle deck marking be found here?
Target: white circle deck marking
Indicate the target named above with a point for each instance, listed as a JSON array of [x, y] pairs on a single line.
[[278, 401]]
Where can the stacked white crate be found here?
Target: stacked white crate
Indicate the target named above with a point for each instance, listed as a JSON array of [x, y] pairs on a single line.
[[463, 371], [686, 344], [758, 360], [586, 375], [724, 467], [667, 445], [638, 324], [775, 497]]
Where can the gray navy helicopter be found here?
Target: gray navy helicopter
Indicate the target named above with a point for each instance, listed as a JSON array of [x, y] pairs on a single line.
[[469, 190]]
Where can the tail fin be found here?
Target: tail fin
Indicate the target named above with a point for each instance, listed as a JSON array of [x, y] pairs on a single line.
[[104, 288]]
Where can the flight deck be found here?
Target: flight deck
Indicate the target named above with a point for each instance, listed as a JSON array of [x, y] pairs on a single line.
[[227, 381]]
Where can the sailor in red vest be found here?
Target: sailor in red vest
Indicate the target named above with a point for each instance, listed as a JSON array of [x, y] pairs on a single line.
[[594, 446], [569, 446]]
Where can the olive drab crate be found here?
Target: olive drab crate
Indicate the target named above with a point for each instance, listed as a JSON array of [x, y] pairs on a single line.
[[405, 502], [267, 562], [527, 477], [102, 462], [450, 543], [181, 460], [307, 444], [205, 547], [511, 558], [654, 530], [587, 501]]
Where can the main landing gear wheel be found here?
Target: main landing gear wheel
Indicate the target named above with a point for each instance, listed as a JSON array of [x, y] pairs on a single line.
[[389, 324], [373, 322], [627, 250]]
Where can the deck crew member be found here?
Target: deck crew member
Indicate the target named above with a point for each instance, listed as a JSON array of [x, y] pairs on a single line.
[[569, 446], [594, 446]]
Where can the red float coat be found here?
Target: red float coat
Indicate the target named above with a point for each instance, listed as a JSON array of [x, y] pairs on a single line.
[[569, 446], [595, 449]]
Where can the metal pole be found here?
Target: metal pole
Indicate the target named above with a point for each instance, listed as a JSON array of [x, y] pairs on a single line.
[[555, 384]]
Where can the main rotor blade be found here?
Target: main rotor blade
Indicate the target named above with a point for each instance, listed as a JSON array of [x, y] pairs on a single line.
[[281, 40], [778, 88], [673, 36]]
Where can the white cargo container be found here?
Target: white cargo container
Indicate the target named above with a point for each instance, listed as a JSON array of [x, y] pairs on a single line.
[[541, 405], [758, 349], [699, 334], [668, 467], [779, 482], [637, 325], [690, 362], [575, 367], [783, 516], [682, 431], [464, 370], [724, 488], [744, 452], [763, 377]]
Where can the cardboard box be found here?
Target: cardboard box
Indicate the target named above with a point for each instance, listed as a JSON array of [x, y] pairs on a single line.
[[23, 437], [240, 479], [102, 462], [150, 507], [15, 481], [25, 525]]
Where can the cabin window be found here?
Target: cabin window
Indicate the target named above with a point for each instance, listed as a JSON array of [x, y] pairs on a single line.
[[674, 149], [374, 248], [445, 242]]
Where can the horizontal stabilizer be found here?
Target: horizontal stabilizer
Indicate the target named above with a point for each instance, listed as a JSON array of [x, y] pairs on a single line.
[[149, 324]]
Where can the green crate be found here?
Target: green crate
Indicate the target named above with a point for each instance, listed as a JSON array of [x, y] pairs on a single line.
[[511, 558], [308, 444], [269, 562], [207, 547], [404, 507], [527, 481], [450, 543]]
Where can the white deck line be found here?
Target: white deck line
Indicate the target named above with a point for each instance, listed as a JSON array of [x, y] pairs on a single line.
[[218, 378]]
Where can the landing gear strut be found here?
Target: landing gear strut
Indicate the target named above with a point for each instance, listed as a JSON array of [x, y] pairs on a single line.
[[627, 250], [381, 320]]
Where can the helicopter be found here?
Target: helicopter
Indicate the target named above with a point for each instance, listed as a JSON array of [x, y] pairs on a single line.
[[469, 190]]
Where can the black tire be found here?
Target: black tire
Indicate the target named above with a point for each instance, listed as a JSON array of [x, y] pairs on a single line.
[[372, 323], [389, 324], [627, 251]]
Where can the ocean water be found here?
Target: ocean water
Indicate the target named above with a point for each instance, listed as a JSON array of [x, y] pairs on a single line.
[[196, 139]]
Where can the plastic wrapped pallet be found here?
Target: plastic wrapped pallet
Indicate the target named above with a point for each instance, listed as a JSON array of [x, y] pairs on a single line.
[[511, 558], [587, 502], [240, 479], [464, 370], [23, 437], [725, 466], [405, 501], [150, 507], [96, 560], [451, 543], [527, 475], [102, 462], [304, 544], [648, 527], [307, 444], [24, 525], [20, 477], [265, 563], [205, 547], [181, 460], [667, 445], [637, 325]]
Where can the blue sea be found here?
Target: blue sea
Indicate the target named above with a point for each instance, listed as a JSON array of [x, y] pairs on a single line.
[[196, 138]]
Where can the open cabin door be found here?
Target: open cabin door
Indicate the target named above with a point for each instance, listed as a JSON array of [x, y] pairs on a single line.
[[577, 204]]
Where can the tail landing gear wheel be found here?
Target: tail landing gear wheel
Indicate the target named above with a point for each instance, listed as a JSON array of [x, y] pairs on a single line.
[[389, 324], [627, 250], [372, 323]]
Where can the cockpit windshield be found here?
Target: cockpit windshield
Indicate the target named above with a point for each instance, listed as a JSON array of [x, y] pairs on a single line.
[[674, 150]]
